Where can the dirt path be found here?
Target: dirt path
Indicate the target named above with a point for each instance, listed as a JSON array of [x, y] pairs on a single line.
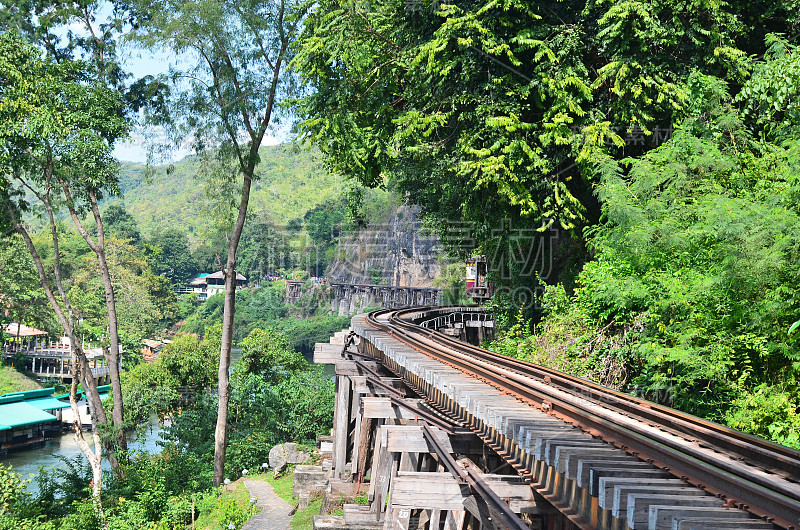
[[274, 510]]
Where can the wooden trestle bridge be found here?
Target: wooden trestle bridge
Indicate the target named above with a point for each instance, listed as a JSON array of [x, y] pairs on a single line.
[[442, 434]]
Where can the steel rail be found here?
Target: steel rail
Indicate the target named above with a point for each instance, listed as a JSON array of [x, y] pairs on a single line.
[[772, 457], [469, 476], [496, 504], [445, 425], [764, 496], [771, 499]]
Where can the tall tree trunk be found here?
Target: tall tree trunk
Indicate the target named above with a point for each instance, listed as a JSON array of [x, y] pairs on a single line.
[[221, 431], [117, 412], [79, 362], [93, 455], [111, 354]]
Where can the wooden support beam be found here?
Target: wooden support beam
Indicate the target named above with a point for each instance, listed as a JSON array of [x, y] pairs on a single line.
[[381, 474], [435, 491], [341, 423], [454, 520], [362, 385], [361, 458], [441, 491], [409, 438], [348, 368], [409, 462], [357, 434], [398, 519], [325, 353], [382, 407]]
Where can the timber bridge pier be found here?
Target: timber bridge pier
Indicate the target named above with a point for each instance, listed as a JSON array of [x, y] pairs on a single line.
[[437, 434]]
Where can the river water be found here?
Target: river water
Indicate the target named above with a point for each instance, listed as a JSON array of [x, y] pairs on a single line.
[[27, 461]]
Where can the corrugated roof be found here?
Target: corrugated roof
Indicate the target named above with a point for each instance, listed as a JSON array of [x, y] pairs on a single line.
[[31, 394], [48, 403], [22, 414], [220, 275], [101, 389], [14, 397], [15, 329]]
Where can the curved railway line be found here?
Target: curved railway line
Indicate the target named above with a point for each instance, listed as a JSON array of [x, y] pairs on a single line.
[[742, 471]]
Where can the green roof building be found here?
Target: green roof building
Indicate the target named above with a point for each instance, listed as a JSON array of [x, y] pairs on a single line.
[[29, 418]]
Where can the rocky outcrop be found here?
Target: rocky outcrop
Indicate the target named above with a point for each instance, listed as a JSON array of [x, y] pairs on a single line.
[[398, 252], [283, 454]]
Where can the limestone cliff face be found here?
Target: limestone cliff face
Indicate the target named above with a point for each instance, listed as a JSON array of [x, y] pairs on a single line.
[[397, 252]]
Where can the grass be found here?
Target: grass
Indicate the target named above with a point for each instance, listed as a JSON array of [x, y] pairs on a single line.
[[283, 485], [13, 381], [302, 519], [233, 505]]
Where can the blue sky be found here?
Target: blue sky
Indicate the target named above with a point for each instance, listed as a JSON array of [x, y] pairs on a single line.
[[141, 62], [145, 62]]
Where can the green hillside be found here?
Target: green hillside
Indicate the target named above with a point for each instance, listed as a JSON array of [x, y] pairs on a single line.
[[12, 380], [291, 182]]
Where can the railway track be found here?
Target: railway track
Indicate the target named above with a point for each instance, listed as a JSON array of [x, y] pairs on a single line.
[[740, 471]]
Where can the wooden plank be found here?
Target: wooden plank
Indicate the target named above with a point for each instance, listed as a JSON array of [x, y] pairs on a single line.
[[441, 491], [325, 353], [435, 491], [639, 507], [409, 461], [351, 368], [398, 519], [619, 508], [382, 407], [362, 385], [356, 439], [363, 445], [409, 438], [382, 472], [348, 368], [454, 520], [357, 515], [435, 518]]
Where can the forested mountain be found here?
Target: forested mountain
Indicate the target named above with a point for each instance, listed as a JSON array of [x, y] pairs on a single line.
[[290, 182]]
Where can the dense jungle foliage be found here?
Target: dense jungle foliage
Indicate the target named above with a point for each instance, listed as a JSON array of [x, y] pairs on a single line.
[[276, 397], [291, 182], [303, 324], [629, 170], [690, 298]]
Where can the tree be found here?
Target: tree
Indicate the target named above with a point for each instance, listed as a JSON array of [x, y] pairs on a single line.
[[95, 45], [170, 256], [226, 102], [144, 300], [691, 298], [57, 131], [119, 222], [21, 293], [483, 110], [324, 223], [264, 248]]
